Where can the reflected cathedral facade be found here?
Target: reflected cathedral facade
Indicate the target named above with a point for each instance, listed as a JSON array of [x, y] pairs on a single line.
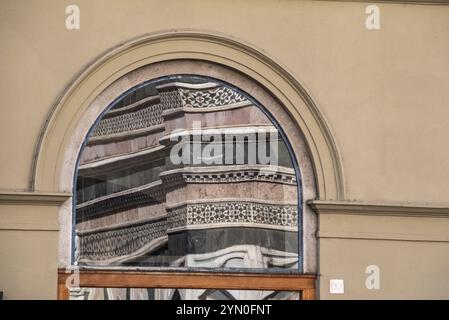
[[190, 173]]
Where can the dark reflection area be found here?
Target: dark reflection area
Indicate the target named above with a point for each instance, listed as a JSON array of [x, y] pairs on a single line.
[[187, 172], [179, 294]]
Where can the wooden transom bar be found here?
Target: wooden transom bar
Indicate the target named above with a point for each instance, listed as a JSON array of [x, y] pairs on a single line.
[[189, 280]]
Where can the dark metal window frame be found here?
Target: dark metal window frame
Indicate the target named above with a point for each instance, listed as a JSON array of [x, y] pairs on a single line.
[[193, 278]]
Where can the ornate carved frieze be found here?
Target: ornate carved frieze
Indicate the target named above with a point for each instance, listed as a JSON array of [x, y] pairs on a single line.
[[143, 118], [177, 217], [242, 176], [229, 213], [209, 98], [171, 98], [179, 177], [121, 241], [153, 193]]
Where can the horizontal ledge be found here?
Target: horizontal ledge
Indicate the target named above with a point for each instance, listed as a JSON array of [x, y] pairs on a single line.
[[228, 225], [170, 113], [33, 198], [231, 130], [255, 201], [379, 209], [191, 280], [132, 107], [119, 226], [186, 270], [153, 244], [125, 135], [117, 161], [415, 2], [140, 189], [185, 85], [222, 169], [382, 236], [29, 227]]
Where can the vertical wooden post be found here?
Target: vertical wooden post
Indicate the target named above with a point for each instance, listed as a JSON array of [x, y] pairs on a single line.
[[62, 290], [308, 294]]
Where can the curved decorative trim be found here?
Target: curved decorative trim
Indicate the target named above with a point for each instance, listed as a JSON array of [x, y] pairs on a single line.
[[336, 191]]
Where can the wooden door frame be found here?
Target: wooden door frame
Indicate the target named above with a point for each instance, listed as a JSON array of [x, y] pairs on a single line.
[[109, 278]]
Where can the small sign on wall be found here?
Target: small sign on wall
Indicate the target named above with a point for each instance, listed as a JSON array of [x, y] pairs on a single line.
[[337, 286]]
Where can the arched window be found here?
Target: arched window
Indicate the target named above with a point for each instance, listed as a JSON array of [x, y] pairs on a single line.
[[188, 173]]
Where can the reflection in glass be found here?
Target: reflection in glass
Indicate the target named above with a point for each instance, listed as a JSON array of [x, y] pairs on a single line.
[[186, 172], [179, 294]]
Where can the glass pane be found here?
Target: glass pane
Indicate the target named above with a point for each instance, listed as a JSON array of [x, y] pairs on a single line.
[[179, 294], [187, 172]]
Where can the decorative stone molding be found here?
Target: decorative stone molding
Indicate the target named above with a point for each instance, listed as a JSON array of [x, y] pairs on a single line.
[[125, 135], [382, 221], [127, 239], [143, 195], [229, 213], [430, 2], [192, 53], [383, 236], [168, 114], [57, 135], [146, 117], [237, 212], [379, 209], [33, 198], [217, 97], [223, 174], [240, 133], [120, 241], [141, 104], [115, 162]]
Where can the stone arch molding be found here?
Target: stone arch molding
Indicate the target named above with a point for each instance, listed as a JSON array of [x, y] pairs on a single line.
[[208, 53], [197, 53]]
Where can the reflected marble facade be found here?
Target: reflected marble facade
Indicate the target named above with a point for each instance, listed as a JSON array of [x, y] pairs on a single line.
[[135, 206]]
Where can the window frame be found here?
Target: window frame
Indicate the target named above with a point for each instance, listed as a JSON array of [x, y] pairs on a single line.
[[121, 278], [110, 277]]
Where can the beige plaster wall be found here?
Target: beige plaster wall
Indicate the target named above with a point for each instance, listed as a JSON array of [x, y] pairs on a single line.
[[28, 251], [384, 94], [408, 270], [412, 254]]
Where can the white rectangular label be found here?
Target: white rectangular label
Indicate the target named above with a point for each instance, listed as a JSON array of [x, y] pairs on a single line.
[[337, 286]]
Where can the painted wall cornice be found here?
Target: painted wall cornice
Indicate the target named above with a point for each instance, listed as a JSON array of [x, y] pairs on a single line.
[[412, 2], [378, 208], [32, 198]]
